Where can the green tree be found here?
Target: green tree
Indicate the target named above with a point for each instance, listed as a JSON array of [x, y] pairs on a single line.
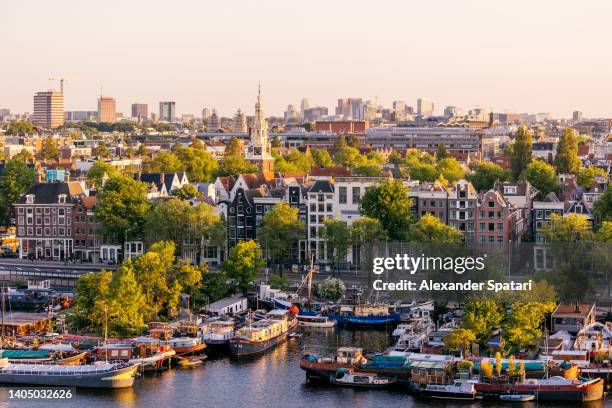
[[126, 303], [276, 142], [422, 172], [197, 163], [431, 229], [523, 327], [395, 158], [187, 276], [482, 317], [244, 263], [48, 150], [604, 233], [573, 228], [353, 141], [214, 287], [99, 171], [347, 156], [338, 237], [142, 150], [441, 152], [368, 169], [332, 289], [586, 176], [390, 204], [234, 165], [121, 207], [520, 156], [92, 292], [16, 179], [280, 230], [100, 151], [186, 192], [322, 158], [163, 162], [459, 340], [567, 160], [365, 232], [292, 162], [485, 174], [21, 128], [24, 156], [233, 148], [542, 176], [603, 207], [278, 282], [450, 169]]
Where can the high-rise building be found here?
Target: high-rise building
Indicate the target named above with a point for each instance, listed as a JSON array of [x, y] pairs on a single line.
[[107, 109], [450, 111], [291, 114], [305, 104], [214, 124], [399, 110], [167, 111], [343, 109], [4, 113], [205, 114], [239, 123], [425, 107], [577, 116], [48, 109], [357, 109], [140, 111], [259, 150]]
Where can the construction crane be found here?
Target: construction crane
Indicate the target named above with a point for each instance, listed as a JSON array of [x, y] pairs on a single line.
[[61, 84]]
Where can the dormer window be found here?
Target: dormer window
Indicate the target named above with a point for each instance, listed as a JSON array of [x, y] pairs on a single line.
[[61, 199], [30, 199]]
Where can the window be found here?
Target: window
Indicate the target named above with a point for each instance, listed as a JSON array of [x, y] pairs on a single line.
[[539, 214], [38, 210], [329, 207], [491, 214], [258, 209], [491, 204], [313, 207], [500, 227], [356, 195], [342, 195], [491, 227], [38, 220], [313, 232], [38, 231], [20, 210], [482, 227], [313, 218], [293, 200], [47, 210]]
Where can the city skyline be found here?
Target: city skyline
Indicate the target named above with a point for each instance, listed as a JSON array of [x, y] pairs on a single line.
[[544, 57]]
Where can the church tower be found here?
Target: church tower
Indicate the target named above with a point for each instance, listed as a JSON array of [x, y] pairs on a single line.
[[259, 150]]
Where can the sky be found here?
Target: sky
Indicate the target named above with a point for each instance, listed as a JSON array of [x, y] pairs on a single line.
[[512, 56]]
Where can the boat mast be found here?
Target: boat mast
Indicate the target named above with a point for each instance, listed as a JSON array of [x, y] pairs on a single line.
[[2, 314]]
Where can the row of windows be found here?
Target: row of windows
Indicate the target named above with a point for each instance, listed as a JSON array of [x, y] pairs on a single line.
[[55, 220], [46, 210], [321, 207], [491, 227], [47, 231]]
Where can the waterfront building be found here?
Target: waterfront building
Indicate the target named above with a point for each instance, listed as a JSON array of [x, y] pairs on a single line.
[[167, 111], [48, 109], [107, 109]]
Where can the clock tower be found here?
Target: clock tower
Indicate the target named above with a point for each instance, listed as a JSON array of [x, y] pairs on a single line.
[[259, 149]]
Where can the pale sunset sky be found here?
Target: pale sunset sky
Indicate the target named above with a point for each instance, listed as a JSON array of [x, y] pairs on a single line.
[[514, 56]]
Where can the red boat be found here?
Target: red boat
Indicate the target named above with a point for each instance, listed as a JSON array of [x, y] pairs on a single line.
[[551, 389]]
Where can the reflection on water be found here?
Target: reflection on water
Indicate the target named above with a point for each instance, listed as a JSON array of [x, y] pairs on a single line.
[[273, 380]]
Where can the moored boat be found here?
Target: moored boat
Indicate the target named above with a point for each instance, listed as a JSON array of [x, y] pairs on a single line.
[[262, 335], [349, 378], [217, 335], [553, 388], [517, 397], [456, 390], [185, 345], [100, 375], [317, 321]]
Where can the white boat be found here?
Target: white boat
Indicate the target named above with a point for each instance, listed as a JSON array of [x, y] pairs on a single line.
[[457, 390], [219, 332], [316, 321], [402, 328], [350, 378]]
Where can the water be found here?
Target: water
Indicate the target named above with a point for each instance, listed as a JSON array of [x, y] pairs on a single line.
[[273, 380]]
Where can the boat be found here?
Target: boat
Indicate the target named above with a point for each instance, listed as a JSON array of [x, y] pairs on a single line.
[[553, 389], [372, 316], [185, 345], [349, 378], [517, 397], [100, 375], [316, 321], [401, 329], [262, 335], [191, 361], [456, 390], [217, 335], [144, 351]]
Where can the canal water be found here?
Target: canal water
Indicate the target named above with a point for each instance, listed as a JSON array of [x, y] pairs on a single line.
[[273, 380]]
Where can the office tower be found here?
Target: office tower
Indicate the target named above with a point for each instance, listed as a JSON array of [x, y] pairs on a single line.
[[107, 109], [577, 116], [48, 109], [343, 109], [167, 111], [425, 107], [450, 111], [357, 109], [214, 124], [291, 114], [239, 123], [140, 111], [305, 104], [4, 113], [205, 114], [399, 110]]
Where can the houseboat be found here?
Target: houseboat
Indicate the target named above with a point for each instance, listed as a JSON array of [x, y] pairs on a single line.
[[262, 335], [550, 389], [349, 378], [316, 321], [369, 316], [185, 345], [456, 390], [144, 351], [320, 367], [99, 375], [217, 335]]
